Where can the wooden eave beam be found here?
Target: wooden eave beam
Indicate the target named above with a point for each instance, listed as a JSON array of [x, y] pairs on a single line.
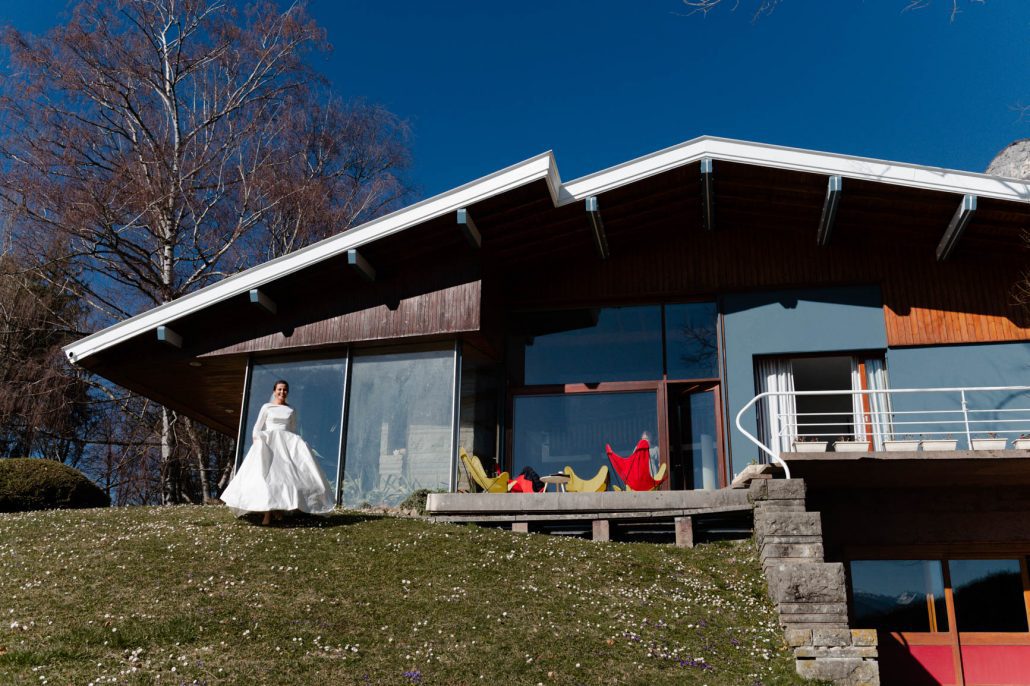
[[468, 228], [263, 301], [169, 337], [358, 262], [834, 187], [708, 193], [964, 213], [597, 226]]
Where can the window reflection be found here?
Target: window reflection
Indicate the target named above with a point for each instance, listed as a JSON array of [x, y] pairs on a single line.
[[316, 394], [701, 449], [480, 378], [398, 426], [899, 595], [555, 431], [691, 341], [587, 345], [988, 595]]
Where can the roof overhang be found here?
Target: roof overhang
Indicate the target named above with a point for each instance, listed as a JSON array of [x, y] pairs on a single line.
[[542, 170]]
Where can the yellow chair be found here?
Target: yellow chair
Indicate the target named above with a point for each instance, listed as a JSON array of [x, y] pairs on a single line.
[[490, 484], [595, 485]]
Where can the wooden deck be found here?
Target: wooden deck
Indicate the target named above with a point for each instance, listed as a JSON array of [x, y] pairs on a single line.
[[682, 515]]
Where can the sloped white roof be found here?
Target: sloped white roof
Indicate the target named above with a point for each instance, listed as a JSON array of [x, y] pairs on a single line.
[[543, 166]]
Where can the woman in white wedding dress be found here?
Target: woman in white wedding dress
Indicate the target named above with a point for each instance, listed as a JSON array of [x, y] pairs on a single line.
[[279, 471]]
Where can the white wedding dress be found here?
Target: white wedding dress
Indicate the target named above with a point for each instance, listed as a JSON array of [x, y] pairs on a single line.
[[279, 471]]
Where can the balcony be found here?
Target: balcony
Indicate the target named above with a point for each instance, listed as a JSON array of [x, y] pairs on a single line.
[[899, 423]]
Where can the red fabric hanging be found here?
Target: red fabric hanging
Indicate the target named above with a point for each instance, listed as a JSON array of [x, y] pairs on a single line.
[[635, 470]]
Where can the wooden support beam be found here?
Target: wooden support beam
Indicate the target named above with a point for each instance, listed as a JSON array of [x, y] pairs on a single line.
[[468, 228], [833, 190], [597, 226], [166, 335], [958, 224], [357, 261], [708, 193], [262, 301]]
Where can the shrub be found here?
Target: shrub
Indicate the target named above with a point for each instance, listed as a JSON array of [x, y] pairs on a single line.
[[33, 484], [417, 501]]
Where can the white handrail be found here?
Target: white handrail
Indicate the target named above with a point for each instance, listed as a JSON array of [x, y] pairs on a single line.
[[878, 418]]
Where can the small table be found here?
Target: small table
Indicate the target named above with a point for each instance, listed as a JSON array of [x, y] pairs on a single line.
[[559, 481]]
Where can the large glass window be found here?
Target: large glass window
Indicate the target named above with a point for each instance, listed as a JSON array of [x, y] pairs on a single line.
[[480, 403], [701, 444], [899, 595], [692, 341], [316, 394], [988, 595], [398, 426], [555, 431], [591, 345]]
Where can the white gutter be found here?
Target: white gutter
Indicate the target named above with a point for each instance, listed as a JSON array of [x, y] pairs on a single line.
[[544, 167]]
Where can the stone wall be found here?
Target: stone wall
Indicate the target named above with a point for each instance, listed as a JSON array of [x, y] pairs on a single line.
[[810, 594]]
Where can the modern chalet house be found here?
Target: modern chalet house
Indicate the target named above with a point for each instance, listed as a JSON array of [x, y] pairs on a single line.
[[739, 302]]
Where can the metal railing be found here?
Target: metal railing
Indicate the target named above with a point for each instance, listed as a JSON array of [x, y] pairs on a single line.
[[967, 413]]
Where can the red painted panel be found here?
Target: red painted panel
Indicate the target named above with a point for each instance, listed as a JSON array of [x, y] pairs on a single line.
[[915, 665], [996, 665]]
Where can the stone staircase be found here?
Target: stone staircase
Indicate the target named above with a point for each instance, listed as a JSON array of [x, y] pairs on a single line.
[[810, 594]]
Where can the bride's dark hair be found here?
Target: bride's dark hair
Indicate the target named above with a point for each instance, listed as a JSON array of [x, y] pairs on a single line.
[[284, 382]]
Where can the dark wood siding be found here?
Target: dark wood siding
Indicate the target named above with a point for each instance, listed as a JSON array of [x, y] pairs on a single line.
[[448, 310], [963, 300]]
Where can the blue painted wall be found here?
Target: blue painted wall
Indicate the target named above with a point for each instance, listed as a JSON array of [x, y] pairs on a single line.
[[787, 322], [990, 364]]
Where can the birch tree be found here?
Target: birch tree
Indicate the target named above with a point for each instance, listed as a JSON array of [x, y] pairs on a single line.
[[172, 142]]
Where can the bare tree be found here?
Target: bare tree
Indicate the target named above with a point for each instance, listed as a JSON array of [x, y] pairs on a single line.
[[765, 7], [171, 142], [43, 412]]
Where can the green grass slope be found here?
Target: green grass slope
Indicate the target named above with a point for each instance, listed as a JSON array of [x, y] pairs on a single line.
[[189, 595]]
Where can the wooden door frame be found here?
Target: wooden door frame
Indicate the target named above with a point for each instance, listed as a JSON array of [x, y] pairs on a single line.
[[660, 389]]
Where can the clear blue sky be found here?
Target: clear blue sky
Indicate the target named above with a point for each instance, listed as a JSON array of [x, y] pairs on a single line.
[[487, 84]]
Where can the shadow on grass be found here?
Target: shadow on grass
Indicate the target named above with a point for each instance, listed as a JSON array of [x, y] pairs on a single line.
[[302, 520]]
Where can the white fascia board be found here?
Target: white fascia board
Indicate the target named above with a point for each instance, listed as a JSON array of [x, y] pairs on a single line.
[[539, 167], [795, 159], [543, 166]]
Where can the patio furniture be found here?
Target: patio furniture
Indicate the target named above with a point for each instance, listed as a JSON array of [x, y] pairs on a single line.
[[495, 484], [560, 481], [597, 484], [521, 485], [635, 470]]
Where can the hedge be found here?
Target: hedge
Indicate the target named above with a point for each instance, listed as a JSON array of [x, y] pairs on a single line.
[[28, 484]]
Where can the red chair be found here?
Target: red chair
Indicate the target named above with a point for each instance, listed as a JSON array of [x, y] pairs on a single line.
[[635, 470], [521, 485]]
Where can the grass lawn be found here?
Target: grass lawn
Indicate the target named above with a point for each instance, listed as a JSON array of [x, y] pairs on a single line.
[[189, 595]]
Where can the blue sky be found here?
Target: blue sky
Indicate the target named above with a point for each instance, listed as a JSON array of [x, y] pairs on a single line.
[[487, 84]]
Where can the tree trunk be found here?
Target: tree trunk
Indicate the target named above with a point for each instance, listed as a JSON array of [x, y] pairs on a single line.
[[167, 477], [201, 458]]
